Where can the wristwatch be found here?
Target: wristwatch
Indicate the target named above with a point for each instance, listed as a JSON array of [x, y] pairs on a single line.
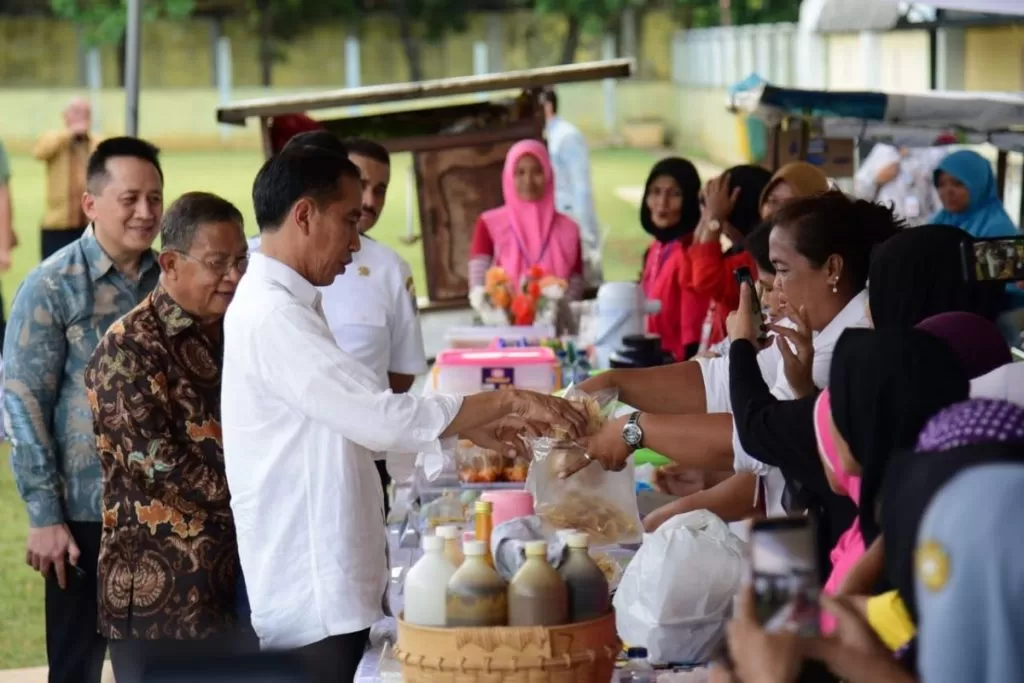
[[631, 432], [714, 225]]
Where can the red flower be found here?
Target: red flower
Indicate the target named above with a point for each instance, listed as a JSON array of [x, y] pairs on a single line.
[[523, 310], [535, 272], [533, 289]]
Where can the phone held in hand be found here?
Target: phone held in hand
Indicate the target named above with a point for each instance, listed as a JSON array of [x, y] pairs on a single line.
[[785, 574], [743, 276], [999, 259]]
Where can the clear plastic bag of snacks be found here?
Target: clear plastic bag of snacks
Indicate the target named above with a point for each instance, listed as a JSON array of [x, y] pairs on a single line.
[[600, 503]]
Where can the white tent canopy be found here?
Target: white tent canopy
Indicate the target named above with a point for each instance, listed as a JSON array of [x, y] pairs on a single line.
[[1012, 7], [832, 16]]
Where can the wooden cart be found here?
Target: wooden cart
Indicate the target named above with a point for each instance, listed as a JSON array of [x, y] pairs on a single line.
[[459, 133]]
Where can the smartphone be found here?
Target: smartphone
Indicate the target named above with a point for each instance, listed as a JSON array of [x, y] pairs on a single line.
[[743, 276], [999, 259], [785, 574]]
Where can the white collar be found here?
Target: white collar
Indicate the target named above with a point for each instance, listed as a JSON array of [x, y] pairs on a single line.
[[273, 270], [854, 314]]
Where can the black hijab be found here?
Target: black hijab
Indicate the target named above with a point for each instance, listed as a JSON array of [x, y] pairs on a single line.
[[751, 181], [918, 273], [885, 385], [911, 481], [685, 174]]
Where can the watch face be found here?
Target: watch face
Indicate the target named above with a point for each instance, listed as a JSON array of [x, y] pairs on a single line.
[[631, 434]]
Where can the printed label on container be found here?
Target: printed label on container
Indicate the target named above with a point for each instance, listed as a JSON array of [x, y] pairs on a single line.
[[497, 378]]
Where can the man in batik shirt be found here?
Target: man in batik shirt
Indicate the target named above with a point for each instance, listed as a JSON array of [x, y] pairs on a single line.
[[168, 561]]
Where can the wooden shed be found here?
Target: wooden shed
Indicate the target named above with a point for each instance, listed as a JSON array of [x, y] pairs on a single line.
[[458, 130]]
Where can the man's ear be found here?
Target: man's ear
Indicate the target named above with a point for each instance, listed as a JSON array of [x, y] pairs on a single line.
[[89, 205], [303, 213], [168, 260]]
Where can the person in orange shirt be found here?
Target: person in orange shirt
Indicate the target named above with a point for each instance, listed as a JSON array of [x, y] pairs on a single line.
[[66, 154]]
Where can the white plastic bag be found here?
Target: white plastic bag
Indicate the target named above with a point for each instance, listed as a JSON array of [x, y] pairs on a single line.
[[677, 592], [600, 503]]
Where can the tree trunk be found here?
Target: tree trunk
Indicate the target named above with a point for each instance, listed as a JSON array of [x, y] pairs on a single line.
[[266, 44], [686, 17], [409, 43], [121, 66], [572, 41]]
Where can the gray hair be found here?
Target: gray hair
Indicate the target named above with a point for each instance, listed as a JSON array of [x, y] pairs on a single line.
[[190, 212]]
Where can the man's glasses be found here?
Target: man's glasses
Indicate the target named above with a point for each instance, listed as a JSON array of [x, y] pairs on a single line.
[[220, 267]]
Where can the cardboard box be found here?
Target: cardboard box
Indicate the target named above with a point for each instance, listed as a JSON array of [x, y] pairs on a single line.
[[834, 156]]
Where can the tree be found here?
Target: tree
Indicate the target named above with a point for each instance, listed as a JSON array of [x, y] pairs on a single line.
[[433, 18], [585, 16], [103, 22], [278, 22]]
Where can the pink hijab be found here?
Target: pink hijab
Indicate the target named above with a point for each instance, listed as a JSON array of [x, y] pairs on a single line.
[[526, 233], [850, 546]]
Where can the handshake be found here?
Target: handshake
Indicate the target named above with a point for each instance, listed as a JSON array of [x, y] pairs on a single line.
[[531, 414]]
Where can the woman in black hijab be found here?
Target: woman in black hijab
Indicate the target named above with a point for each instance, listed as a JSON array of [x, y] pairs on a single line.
[[669, 213], [885, 385], [919, 273]]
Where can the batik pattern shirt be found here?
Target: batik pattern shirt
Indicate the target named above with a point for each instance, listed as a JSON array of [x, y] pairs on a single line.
[[168, 561], [60, 313]]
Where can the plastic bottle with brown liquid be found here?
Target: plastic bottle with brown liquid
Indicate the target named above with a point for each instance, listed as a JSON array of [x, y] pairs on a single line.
[[484, 524], [476, 595], [452, 544], [537, 595], [586, 583]]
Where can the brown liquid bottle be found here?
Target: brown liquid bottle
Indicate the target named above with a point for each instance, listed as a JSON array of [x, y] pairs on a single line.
[[476, 595], [537, 595], [586, 583], [483, 524]]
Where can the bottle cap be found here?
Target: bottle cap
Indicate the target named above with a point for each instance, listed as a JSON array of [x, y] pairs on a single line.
[[468, 536], [579, 540], [477, 548], [536, 548], [448, 531], [483, 507], [433, 544]]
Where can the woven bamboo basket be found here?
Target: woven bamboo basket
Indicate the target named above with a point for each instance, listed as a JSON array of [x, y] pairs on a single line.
[[573, 653]]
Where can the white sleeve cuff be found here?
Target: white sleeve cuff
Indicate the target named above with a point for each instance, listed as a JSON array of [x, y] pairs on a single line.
[[743, 461]]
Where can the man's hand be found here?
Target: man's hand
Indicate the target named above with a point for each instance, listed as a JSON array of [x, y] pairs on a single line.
[[504, 435], [799, 364], [52, 546], [854, 653], [536, 408], [887, 173], [79, 126], [743, 323], [607, 447], [759, 656]]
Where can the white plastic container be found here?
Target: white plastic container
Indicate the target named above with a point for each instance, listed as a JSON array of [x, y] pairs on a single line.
[[620, 310], [426, 585], [468, 371]]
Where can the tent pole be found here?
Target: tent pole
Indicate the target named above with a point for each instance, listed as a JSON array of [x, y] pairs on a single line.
[[132, 54]]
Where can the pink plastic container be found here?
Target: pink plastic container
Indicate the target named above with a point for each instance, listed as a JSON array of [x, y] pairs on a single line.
[[468, 371], [509, 505]]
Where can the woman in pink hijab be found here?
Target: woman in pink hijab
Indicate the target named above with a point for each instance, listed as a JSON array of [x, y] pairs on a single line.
[[527, 231]]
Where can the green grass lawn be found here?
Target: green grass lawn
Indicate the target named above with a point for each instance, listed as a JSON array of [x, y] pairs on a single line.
[[230, 175]]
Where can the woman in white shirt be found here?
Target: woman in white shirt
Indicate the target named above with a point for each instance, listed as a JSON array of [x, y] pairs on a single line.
[[820, 248]]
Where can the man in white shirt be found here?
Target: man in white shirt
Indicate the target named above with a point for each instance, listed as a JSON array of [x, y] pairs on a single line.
[[371, 309], [574, 194], [301, 420]]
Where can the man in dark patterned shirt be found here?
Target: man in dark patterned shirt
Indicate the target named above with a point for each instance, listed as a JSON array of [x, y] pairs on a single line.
[[168, 559]]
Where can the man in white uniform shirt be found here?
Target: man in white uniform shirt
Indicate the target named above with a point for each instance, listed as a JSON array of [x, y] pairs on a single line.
[[371, 309], [302, 419]]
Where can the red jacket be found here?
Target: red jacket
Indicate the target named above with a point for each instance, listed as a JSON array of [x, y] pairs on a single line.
[[712, 275], [666, 277]]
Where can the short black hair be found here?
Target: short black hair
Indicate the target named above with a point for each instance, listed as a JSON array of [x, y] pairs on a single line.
[[756, 244], [833, 223], [321, 139], [294, 173], [368, 148], [549, 95], [192, 210], [96, 173]]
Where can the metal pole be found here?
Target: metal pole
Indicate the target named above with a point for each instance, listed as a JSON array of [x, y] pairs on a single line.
[[132, 56]]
